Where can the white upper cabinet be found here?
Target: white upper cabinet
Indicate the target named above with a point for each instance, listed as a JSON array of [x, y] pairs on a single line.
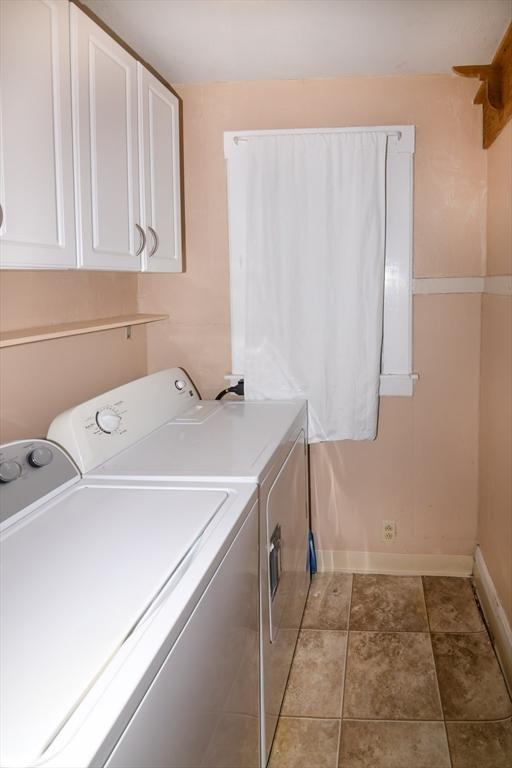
[[159, 149], [37, 227], [107, 184], [89, 147]]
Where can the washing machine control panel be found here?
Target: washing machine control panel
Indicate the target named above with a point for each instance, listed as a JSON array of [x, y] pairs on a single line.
[[21, 459], [98, 429], [30, 469]]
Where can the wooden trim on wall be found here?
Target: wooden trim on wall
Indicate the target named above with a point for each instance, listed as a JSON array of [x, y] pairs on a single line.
[[495, 92]]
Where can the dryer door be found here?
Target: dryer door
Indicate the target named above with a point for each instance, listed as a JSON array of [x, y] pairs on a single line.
[[285, 581], [287, 533]]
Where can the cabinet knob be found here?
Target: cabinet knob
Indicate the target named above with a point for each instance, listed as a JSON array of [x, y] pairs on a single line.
[[142, 244], [156, 242]]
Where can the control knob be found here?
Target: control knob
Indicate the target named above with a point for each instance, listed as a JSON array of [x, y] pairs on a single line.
[[9, 470], [180, 385], [108, 420], [40, 457]]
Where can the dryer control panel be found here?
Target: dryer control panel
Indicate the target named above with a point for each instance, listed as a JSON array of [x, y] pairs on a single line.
[[29, 470], [95, 431]]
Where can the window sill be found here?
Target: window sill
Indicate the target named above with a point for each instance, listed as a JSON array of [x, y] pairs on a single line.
[[397, 384], [391, 384]]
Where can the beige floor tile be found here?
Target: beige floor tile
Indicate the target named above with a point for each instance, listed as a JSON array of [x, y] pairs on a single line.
[[470, 680], [450, 604], [384, 744], [315, 684], [480, 745], [390, 676], [328, 601], [303, 743], [389, 603]]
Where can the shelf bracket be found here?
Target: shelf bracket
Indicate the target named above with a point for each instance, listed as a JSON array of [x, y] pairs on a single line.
[[490, 75]]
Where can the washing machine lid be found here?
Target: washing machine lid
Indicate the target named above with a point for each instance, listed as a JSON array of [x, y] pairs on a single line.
[[230, 441], [77, 576]]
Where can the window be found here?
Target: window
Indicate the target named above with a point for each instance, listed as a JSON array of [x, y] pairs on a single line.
[[396, 370]]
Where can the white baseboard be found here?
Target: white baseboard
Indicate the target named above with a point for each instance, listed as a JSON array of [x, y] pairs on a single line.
[[495, 616], [392, 563]]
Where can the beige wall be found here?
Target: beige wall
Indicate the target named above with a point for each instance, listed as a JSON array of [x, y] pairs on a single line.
[[422, 470], [495, 504], [499, 204], [39, 380]]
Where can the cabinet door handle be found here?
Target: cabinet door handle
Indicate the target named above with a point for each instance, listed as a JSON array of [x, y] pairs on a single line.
[[156, 242], [1, 216], [142, 240]]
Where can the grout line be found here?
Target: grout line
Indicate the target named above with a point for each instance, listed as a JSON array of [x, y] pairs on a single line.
[[435, 672], [393, 631], [481, 722], [480, 632], [309, 717], [391, 720], [410, 631], [381, 719], [457, 631], [387, 719], [345, 669]]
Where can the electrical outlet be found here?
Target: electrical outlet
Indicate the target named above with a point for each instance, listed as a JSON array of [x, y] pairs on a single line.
[[388, 531]]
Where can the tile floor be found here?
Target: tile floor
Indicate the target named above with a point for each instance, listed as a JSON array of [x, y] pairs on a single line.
[[393, 672]]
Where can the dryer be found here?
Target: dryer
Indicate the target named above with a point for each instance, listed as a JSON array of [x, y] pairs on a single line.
[[129, 618], [158, 429]]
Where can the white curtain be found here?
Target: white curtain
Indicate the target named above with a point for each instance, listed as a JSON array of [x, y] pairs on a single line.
[[315, 276]]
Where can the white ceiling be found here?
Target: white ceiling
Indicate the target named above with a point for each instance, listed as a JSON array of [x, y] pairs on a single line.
[[190, 41]]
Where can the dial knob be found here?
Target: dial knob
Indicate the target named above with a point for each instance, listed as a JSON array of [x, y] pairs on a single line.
[[9, 470], [40, 457], [108, 420], [180, 385]]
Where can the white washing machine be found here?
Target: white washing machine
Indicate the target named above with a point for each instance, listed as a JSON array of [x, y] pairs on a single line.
[[157, 429], [129, 618]]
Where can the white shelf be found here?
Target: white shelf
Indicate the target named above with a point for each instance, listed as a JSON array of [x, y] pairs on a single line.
[[46, 332]]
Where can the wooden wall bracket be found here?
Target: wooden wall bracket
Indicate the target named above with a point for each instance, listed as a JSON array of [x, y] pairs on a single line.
[[495, 92]]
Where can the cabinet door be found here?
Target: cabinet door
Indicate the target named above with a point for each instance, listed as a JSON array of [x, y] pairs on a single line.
[[160, 170], [37, 227], [104, 94]]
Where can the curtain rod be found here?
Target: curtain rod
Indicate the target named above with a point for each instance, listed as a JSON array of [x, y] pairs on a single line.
[[237, 139]]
